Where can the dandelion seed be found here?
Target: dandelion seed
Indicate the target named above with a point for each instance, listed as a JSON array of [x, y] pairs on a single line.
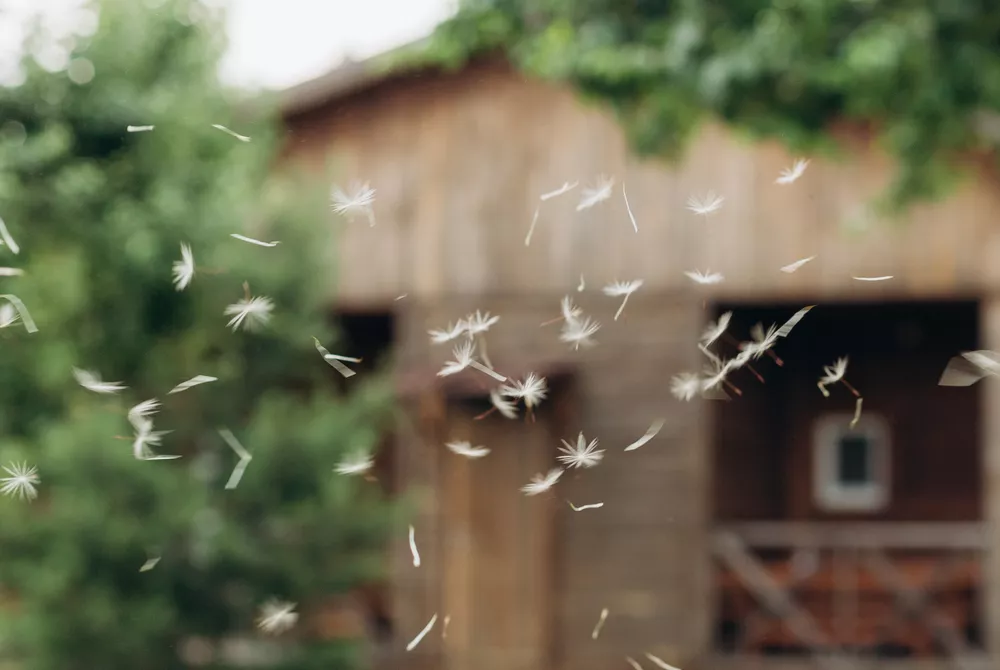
[[706, 277], [600, 192], [149, 564], [92, 382], [620, 288], [715, 330], [241, 138], [466, 449], [653, 430], [685, 386], [531, 228], [635, 664], [532, 390], [832, 374], [8, 315], [786, 328], [138, 414], [334, 361], [7, 239], [857, 412], [506, 407], [450, 333], [444, 628], [761, 341], [873, 278], [705, 205], [356, 463], [629, 209], [359, 200], [581, 285], [183, 270], [465, 358], [969, 367], [792, 267], [476, 324], [11, 272], [789, 175], [253, 241], [21, 482], [22, 312], [541, 483], [138, 129], [583, 507], [600, 624], [420, 636], [253, 312], [660, 663], [565, 188], [145, 437], [580, 455], [569, 311], [579, 332], [400, 297], [277, 616], [413, 549], [241, 452], [197, 380]]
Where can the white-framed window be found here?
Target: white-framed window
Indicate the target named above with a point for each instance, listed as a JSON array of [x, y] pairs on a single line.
[[851, 466]]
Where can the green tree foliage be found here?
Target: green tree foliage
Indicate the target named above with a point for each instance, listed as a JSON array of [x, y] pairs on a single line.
[[99, 215], [925, 75]]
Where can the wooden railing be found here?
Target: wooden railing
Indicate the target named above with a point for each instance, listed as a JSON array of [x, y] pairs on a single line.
[[835, 591]]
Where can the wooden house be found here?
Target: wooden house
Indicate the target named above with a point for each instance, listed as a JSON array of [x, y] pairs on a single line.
[[761, 532]]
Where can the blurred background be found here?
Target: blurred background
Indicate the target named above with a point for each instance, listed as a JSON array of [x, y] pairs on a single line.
[[257, 408]]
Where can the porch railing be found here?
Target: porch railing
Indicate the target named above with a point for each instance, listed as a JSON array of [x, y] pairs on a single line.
[[835, 591]]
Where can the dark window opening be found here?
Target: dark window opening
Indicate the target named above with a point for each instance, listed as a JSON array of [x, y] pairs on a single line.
[[853, 460], [365, 335]]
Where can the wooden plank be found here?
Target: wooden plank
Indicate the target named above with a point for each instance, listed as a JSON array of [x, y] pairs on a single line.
[[903, 535]]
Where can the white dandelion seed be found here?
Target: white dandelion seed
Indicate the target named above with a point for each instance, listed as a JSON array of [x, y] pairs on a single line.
[[241, 453], [570, 312], [715, 330], [531, 228], [628, 208], [21, 482], [334, 361], [705, 278], [578, 332], [532, 390], [400, 297], [197, 380], [581, 454], [22, 312], [145, 437], [420, 636], [11, 272], [635, 664], [478, 323], [789, 175], [8, 315], [444, 628], [600, 624], [277, 616], [143, 411], [592, 195], [584, 507], [358, 201], [227, 131], [653, 430], [183, 270], [251, 240], [92, 382], [448, 334], [873, 278], [792, 267], [466, 449], [832, 374], [138, 129], [857, 412], [149, 564], [565, 188], [706, 204], [660, 663], [355, 463], [506, 407], [685, 386], [761, 341], [541, 483], [464, 355], [786, 328], [582, 285], [253, 312], [620, 288], [413, 548], [7, 239], [969, 367]]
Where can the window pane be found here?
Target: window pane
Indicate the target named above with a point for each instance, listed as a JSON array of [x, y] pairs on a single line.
[[853, 457]]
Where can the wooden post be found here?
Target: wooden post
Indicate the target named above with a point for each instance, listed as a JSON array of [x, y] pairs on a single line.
[[990, 404]]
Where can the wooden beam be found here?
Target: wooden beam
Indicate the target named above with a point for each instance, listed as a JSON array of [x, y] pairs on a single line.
[[905, 535]]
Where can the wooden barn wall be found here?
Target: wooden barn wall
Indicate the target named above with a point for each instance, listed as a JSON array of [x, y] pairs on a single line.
[[644, 555], [459, 161]]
